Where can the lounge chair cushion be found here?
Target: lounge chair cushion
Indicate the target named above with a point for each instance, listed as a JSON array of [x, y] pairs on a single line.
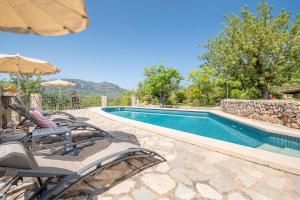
[[43, 121], [41, 111], [13, 155], [69, 163]]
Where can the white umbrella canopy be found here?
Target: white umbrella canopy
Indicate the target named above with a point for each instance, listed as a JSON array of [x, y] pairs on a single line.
[[43, 17], [21, 65], [58, 83], [16, 64]]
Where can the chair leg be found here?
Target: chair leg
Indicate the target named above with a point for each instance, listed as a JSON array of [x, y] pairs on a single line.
[[6, 187]]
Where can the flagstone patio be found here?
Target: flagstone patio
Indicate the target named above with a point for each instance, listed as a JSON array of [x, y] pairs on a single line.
[[193, 172]]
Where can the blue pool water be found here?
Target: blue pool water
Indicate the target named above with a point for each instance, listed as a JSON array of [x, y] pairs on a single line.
[[212, 126]]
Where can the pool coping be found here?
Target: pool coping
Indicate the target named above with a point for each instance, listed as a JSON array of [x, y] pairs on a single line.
[[274, 160]]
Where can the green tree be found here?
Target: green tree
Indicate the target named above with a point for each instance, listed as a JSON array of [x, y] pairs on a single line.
[[125, 98], [90, 100], [28, 85], [2, 85], [55, 99], [180, 96], [141, 93], [193, 95], [258, 49], [161, 81], [204, 89], [295, 80]]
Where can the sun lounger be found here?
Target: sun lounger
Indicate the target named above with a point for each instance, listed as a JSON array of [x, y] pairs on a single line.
[[26, 138], [92, 171], [20, 136], [41, 138], [56, 116], [72, 125], [45, 113]]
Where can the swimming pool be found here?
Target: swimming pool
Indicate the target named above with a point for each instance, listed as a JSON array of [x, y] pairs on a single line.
[[213, 126]]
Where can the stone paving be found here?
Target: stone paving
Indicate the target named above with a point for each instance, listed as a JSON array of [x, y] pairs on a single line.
[[193, 172]]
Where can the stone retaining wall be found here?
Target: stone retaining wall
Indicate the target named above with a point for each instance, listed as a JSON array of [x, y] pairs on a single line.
[[286, 112]]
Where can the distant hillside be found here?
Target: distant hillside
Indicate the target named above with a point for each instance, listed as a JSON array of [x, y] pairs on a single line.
[[88, 88]]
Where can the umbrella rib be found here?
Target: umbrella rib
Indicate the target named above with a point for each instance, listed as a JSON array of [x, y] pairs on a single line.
[[74, 11], [50, 66], [47, 14], [25, 26], [13, 7], [64, 27], [18, 14], [6, 61]]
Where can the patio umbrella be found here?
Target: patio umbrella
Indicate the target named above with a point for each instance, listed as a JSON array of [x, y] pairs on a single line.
[[58, 83], [21, 65], [43, 17]]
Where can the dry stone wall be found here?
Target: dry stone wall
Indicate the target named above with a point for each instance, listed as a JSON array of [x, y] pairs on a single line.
[[286, 112]]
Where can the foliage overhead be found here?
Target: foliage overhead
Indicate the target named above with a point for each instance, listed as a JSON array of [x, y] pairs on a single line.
[[161, 81], [258, 49], [28, 85], [123, 100], [204, 89]]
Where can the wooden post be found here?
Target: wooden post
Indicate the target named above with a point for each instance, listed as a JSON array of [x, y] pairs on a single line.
[[6, 114], [36, 101], [1, 112], [14, 116], [134, 100], [104, 101]]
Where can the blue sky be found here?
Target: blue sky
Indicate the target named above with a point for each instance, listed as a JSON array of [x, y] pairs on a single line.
[[125, 36]]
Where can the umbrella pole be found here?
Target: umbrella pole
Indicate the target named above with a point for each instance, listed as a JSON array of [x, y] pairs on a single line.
[[27, 92], [27, 85], [19, 81], [59, 98], [19, 85]]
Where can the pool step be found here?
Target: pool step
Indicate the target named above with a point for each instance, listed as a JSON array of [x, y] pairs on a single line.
[[285, 151]]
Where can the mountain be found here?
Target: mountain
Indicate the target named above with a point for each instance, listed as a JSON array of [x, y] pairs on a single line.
[[88, 88]]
